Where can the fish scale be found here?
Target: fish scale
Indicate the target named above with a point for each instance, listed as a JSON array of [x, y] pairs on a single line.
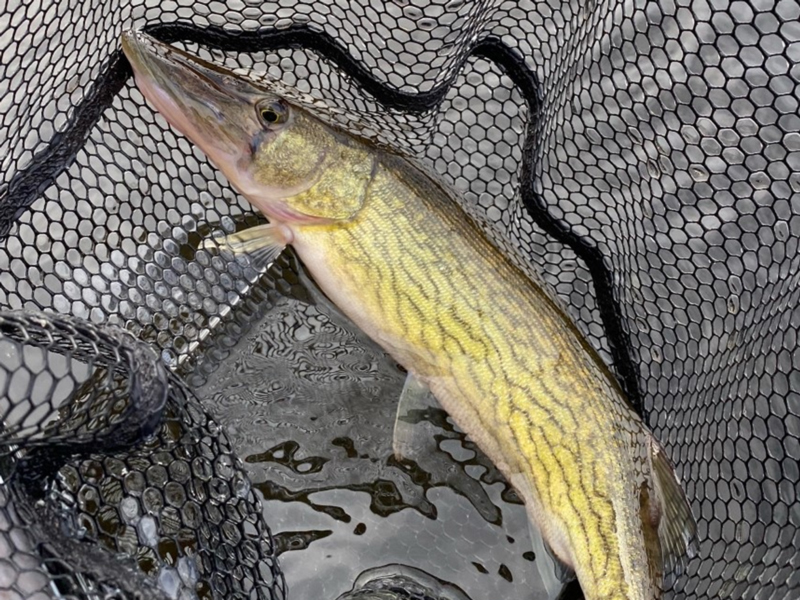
[[389, 246], [509, 361]]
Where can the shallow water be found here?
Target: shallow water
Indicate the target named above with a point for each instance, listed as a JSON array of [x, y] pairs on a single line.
[[309, 404]]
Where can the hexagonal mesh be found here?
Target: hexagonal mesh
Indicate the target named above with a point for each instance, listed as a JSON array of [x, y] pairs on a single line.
[[102, 495], [639, 157]]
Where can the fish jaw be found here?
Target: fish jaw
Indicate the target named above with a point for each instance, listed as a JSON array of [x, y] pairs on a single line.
[[217, 110], [193, 96]]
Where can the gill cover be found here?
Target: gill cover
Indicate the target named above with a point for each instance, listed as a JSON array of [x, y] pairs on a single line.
[[337, 168]]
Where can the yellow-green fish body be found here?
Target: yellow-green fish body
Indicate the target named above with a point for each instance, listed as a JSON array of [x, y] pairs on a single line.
[[419, 278], [390, 248]]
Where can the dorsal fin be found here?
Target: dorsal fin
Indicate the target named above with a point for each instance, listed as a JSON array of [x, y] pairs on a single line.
[[677, 530]]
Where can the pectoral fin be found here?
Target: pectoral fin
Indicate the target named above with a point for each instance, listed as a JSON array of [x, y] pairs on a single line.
[[410, 439], [677, 530], [261, 244]]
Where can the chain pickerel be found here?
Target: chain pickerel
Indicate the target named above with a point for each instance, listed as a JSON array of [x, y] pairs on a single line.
[[388, 245]]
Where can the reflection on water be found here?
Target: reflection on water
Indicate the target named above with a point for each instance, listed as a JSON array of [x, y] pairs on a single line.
[[399, 582], [309, 403]]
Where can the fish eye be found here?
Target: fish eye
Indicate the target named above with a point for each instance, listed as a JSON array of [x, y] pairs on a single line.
[[273, 113]]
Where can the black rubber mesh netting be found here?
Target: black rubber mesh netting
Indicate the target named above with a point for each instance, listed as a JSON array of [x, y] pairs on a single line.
[[640, 157], [102, 444]]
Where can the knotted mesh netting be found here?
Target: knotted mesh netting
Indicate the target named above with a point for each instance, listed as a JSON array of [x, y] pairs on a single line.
[[640, 157], [116, 483]]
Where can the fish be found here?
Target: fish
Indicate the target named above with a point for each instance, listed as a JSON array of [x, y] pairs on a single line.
[[387, 242]]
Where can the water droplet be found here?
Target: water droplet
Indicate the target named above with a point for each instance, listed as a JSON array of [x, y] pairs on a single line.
[[665, 165], [690, 134], [241, 486], [169, 357], [732, 341], [635, 135], [782, 230], [733, 304], [593, 136], [698, 173], [655, 352], [129, 508], [794, 181], [454, 5], [568, 264], [187, 569], [169, 582], [760, 180], [446, 49], [227, 224], [652, 169], [148, 531], [427, 24], [735, 285]]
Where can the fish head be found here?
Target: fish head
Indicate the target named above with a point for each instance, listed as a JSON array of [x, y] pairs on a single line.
[[287, 163]]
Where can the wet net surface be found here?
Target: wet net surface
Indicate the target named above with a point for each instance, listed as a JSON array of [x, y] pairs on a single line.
[[642, 158], [117, 484]]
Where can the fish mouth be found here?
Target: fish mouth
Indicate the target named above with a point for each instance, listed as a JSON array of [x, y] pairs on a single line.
[[207, 103], [216, 109]]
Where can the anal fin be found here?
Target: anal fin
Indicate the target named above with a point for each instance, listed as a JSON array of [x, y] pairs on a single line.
[[261, 244], [554, 573], [409, 438]]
